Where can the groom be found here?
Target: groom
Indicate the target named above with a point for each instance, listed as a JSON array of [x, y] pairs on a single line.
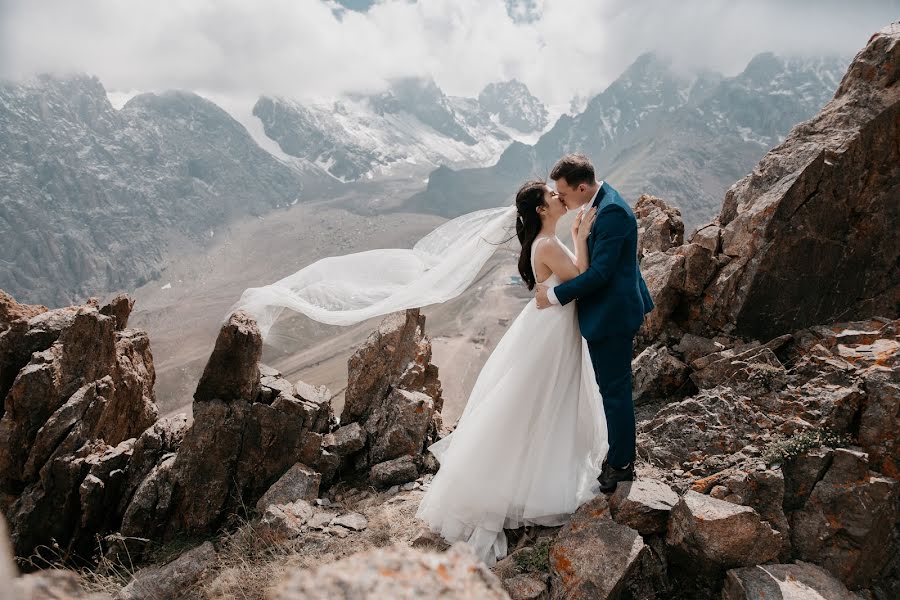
[[612, 301]]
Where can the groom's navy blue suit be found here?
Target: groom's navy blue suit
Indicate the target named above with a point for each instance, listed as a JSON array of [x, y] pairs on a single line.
[[612, 301]]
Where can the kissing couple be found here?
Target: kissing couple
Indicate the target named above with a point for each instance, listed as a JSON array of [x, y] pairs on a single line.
[[550, 418]]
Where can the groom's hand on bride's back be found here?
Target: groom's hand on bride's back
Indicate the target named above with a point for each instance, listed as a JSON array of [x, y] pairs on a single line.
[[540, 295]]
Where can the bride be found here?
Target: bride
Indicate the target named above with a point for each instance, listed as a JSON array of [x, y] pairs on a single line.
[[532, 437]]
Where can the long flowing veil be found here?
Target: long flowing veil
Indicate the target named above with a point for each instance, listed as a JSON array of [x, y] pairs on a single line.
[[343, 290]]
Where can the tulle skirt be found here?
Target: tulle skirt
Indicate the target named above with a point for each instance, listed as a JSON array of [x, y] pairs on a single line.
[[531, 440]]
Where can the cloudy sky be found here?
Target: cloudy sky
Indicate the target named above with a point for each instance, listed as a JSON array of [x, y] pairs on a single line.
[[560, 48]]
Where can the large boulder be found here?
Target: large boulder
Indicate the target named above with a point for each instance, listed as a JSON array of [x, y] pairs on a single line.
[[595, 557], [712, 535], [392, 404], [819, 208], [660, 226], [643, 505], [847, 524]]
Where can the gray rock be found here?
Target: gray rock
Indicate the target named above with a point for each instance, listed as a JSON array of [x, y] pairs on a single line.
[[643, 505], [345, 440], [174, 579], [843, 526], [353, 520], [803, 581], [592, 556], [711, 535], [394, 472], [657, 375], [280, 522], [397, 571], [298, 483]]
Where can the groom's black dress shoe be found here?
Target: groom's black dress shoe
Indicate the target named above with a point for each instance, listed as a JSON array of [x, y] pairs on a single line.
[[610, 476]]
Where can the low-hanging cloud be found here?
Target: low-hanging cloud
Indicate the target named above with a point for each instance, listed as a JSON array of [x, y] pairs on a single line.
[[303, 48]]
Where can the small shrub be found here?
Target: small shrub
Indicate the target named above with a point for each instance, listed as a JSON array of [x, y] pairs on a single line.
[[783, 450], [535, 559]]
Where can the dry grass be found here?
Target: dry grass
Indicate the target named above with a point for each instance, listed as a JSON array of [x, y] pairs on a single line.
[[246, 565]]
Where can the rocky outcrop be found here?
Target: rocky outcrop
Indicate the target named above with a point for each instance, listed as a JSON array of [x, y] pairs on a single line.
[[77, 392], [395, 572], [241, 411], [816, 219], [392, 403]]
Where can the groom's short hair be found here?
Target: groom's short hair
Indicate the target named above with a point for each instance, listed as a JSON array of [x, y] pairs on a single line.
[[575, 169]]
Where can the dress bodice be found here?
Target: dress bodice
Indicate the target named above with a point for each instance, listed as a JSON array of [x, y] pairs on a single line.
[[553, 279]]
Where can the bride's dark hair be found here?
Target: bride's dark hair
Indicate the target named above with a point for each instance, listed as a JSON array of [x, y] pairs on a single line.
[[528, 224]]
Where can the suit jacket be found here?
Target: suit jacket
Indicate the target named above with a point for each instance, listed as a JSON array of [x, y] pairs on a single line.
[[612, 295]]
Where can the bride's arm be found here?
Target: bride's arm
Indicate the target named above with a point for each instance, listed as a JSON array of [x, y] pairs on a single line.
[[555, 258]]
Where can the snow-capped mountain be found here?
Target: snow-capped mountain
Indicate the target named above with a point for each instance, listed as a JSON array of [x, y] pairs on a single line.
[[654, 130], [91, 196], [410, 128], [513, 106]]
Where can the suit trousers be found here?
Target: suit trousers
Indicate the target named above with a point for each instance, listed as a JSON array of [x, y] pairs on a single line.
[[611, 358]]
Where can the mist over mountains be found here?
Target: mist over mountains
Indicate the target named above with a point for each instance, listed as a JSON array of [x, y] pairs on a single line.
[[95, 199], [654, 130]]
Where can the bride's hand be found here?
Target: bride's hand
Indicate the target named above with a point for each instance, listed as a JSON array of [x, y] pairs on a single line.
[[583, 223]]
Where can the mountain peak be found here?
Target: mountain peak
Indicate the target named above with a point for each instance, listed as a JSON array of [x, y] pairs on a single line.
[[514, 105]]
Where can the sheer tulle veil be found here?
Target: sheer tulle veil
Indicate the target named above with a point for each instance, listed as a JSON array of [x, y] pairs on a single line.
[[348, 289]]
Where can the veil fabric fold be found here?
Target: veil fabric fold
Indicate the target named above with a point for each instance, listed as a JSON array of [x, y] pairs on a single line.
[[348, 289]]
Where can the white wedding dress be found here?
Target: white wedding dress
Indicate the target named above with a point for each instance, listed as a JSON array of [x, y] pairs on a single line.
[[531, 440]]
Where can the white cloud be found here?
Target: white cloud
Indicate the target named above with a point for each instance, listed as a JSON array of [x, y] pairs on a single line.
[[560, 48]]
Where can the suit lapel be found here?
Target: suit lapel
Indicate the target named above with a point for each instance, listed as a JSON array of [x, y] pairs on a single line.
[[603, 198]]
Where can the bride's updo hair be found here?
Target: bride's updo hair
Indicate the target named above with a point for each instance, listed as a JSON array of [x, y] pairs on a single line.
[[528, 224]]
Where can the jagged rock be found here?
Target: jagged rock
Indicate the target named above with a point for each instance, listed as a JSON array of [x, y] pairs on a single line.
[[232, 372], [173, 580], [157, 441], [751, 373], [802, 473], [714, 422], [526, 587], [657, 375], [663, 273], [592, 556], [298, 483], [317, 403], [394, 472], [10, 310], [397, 571], [352, 520], [693, 347], [801, 580], [280, 522], [700, 266], [119, 308], [396, 355], [345, 440], [791, 239], [879, 427], [643, 505], [846, 524], [399, 425], [272, 386], [711, 535], [709, 237], [660, 227], [763, 491], [147, 514]]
